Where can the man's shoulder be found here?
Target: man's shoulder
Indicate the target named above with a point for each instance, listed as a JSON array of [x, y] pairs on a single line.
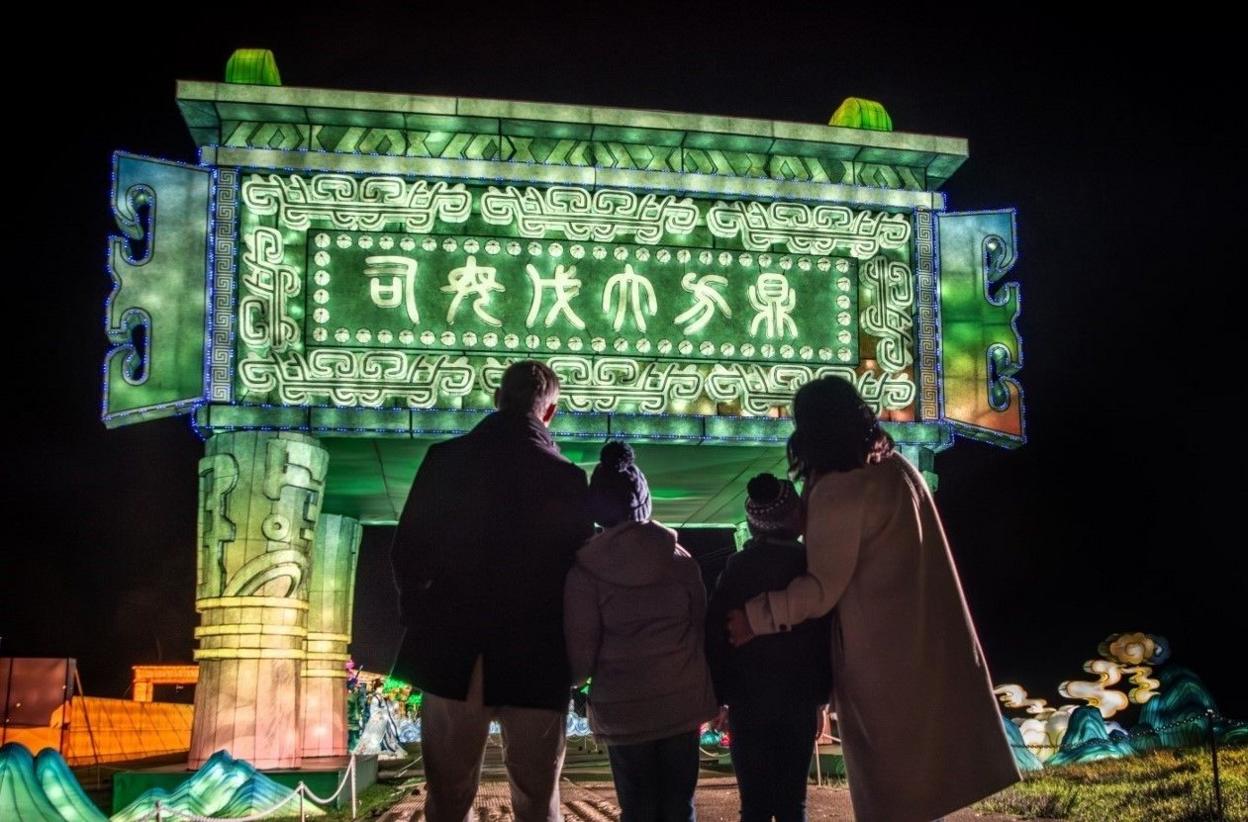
[[571, 469], [457, 448], [443, 446], [520, 455], [556, 462], [445, 455]]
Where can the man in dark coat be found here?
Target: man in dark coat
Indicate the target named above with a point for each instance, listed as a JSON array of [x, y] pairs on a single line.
[[487, 536]]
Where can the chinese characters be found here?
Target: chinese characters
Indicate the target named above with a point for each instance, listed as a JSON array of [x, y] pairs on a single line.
[[676, 305]]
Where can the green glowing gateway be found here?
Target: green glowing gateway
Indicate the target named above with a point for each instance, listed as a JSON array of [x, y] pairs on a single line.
[[344, 276]]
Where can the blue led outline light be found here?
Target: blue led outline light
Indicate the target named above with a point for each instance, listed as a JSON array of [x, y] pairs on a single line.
[[1006, 375], [131, 230], [1003, 288], [475, 415], [177, 406], [242, 170], [988, 435], [121, 339], [212, 168], [303, 171]]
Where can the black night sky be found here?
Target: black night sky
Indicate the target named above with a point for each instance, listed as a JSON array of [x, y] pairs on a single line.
[[1118, 515]]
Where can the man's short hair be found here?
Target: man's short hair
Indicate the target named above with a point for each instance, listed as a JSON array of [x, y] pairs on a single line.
[[529, 387]]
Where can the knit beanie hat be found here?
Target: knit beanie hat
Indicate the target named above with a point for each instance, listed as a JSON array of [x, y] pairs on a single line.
[[771, 503], [618, 491]]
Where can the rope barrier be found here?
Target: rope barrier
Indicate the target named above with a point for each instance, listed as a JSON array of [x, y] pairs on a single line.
[[301, 792]]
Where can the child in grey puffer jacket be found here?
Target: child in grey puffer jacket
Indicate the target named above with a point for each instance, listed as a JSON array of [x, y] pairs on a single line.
[[634, 612]]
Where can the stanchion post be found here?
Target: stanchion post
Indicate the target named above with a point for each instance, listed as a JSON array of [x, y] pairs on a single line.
[[1217, 779], [354, 807]]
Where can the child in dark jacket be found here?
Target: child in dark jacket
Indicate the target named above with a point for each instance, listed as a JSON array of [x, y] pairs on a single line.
[[774, 686]]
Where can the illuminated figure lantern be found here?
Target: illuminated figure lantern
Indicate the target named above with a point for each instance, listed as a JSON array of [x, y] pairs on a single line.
[[344, 276]]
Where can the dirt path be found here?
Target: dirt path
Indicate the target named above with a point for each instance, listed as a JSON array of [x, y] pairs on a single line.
[[595, 802]]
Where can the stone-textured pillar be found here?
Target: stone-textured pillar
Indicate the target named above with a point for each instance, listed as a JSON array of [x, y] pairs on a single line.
[[331, 597], [260, 497]]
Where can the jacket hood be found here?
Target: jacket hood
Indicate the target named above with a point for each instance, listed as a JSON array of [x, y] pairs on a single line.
[[631, 554]]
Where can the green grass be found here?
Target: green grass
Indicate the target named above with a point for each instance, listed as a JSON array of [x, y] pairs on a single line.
[[1165, 786]]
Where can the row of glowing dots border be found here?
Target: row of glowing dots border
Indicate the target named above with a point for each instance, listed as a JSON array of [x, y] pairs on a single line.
[[576, 251]]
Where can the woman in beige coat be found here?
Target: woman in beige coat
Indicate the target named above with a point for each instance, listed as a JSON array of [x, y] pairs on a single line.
[[920, 729]]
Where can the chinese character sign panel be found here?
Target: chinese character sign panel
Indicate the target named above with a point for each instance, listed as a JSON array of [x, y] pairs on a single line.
[[388, 291]]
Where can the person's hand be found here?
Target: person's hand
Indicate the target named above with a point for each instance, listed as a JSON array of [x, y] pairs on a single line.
[[738, 625], [720, 722]]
